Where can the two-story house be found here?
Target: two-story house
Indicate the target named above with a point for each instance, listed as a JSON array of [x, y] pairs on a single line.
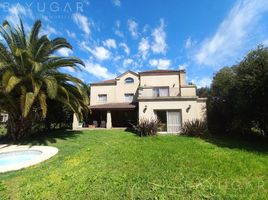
[[161, 94]]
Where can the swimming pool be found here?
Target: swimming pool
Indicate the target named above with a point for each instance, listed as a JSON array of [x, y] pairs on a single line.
[[15, 157]]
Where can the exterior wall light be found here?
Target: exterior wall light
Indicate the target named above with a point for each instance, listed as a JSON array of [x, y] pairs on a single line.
[[188, 108], [145, 108]]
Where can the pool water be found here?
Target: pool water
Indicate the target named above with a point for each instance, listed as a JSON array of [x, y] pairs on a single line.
[[17, 157]]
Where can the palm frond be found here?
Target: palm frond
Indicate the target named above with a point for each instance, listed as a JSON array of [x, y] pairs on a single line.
[[51, 86], [43, 103], [5, 78], [58, 43], [29, 100], [12, 83], [35, 31]]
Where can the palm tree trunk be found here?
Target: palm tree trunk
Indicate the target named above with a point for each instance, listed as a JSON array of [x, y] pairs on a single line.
[[18, 127]]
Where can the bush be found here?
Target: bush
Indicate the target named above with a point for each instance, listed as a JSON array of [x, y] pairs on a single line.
[[195, 127], [146, 127], [3, 129], [237, 104]]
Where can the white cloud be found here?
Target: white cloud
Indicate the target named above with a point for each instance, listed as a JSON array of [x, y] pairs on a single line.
[[82, 22], [100, 53], [133, 28], [183, 66], [97, 70], [70, 69], [117, 23], [45, 18], [71, 34], [265, 42], [144, 47], [14, 11], [49, 30], [160, 63], [146, 28], [202, 82], [117, 3], [159, 35], [117, 31], [19, 10], [65, 52], [236, 34], [127, 62], [188, 43], [110, 43], [84, 46], [125, 48]]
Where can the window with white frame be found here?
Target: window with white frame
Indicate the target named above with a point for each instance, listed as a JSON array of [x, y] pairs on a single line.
[[102, 97], [129, 80], [129, 97]]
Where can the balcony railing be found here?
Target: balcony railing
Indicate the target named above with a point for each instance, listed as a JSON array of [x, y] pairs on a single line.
[[159, 92]]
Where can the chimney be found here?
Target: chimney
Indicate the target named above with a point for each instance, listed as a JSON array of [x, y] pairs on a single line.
[[182, 79]]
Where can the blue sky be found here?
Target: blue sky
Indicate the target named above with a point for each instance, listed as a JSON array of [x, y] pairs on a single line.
[[112, 36]]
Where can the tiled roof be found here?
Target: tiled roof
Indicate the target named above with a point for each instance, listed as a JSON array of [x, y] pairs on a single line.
[[160, 71], [112, 106], [149, 72], [106, 82]]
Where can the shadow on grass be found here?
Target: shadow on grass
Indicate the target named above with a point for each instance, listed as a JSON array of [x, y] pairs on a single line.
[[43, 138], [130, 130], [254, 145]]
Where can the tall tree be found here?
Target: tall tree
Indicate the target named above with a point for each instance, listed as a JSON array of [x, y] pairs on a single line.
[[30, 75], [239, 96]]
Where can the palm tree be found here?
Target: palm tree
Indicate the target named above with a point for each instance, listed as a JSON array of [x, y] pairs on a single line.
[[30, 74]]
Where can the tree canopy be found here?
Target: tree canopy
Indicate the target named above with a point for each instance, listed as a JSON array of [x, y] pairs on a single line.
[[30, 74], [239, 96]]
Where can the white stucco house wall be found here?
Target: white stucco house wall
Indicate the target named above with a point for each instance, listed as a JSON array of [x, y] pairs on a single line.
[[3, 117], [161, 94]]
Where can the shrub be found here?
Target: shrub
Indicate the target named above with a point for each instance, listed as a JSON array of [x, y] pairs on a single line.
[[195, 127], [146, 127], [2, 129]]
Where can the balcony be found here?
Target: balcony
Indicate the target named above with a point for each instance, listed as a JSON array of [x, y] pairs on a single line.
[[156, 92], [166, 92]]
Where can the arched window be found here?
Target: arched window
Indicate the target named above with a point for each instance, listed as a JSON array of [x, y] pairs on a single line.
[[129, 80]]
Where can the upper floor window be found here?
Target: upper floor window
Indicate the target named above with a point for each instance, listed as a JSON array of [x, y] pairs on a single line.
[[129, 97], [161, 92], [102, 97], [129, 80]]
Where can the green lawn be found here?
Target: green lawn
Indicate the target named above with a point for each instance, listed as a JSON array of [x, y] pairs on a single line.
[[119, 165]]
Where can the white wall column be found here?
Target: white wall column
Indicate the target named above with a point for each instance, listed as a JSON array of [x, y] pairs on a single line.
[[75, 122], [109, 119]]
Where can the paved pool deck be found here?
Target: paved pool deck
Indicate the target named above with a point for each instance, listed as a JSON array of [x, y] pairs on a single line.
[[47, 152]]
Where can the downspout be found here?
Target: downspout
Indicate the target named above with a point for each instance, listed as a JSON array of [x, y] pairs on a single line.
[[180, 82]]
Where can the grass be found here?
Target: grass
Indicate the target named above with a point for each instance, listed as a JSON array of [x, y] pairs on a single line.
[[115, 164]]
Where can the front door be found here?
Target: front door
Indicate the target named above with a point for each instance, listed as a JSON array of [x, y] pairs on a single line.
[[173, 121]]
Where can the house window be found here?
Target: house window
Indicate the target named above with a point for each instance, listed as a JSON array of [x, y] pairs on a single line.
[[102, 97], [129, 80], [170, 120], [161, 92], [129, 97]]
